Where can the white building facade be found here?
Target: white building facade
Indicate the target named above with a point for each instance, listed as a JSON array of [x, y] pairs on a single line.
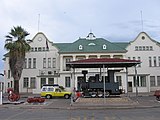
[[46, 62]]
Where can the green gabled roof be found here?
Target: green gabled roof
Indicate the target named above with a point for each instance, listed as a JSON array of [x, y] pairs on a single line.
[[94, 45], [122, 44], [61, 46]]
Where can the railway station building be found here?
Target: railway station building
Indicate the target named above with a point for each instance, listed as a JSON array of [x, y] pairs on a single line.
[[46, 63]]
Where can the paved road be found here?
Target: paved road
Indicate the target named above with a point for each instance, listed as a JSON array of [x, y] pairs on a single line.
[[59, 114]]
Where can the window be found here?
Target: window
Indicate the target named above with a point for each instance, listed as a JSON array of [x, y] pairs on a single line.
[[119, 80], [134, 58], [50, 89], [25, 63], [11, 84], [35, 48], [136, 48], [91, 44], [50, 81], [43, 81], [67, 82], [155, 62], [49, 62], [67, 61], [144, 48], [140, 48], [32, 49], [34, 62], [80, 47], [33, 82], [150, 48], [29, 62], [44, 62], [152, 81], [57, 90], [39, 49], [54, 62], [136, 81], [25, 82], [143, 37], [8, 85], [9, 73], [150, 62], [104, 47], [158, 80], [141, 81], [44, 48], [44, 89]]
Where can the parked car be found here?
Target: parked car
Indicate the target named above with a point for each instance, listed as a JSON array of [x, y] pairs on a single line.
[[52, 91]]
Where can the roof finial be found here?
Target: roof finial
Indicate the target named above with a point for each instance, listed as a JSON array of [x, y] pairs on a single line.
[[91, 36], [90, 30]]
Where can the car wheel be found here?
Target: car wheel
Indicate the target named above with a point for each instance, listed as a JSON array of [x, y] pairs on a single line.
[[48, 96], [107, 94], [66, 96], [158, 98]]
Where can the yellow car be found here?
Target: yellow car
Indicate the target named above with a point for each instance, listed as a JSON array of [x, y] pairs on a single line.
[[50, 92]]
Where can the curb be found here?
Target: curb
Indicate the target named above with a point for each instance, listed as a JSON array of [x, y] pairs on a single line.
[[91, 107]]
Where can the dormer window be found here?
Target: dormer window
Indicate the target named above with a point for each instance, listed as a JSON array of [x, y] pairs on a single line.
[[91, 44], [80, 47], [104, 47]]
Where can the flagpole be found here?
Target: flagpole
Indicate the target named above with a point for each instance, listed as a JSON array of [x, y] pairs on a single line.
[[38, 21], [142, 21]]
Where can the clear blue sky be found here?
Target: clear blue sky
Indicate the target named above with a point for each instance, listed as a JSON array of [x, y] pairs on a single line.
[[67, 20]]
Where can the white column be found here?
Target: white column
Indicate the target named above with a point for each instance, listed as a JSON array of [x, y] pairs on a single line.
[[74, 57], [136, 81], [127, 81], [98, 56], [87, 56], [61, 63], [111, 56]]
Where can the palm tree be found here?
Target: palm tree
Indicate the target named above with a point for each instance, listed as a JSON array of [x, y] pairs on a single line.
[[17, 47]]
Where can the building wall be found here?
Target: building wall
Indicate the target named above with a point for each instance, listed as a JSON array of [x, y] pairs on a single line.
[[144, 47]]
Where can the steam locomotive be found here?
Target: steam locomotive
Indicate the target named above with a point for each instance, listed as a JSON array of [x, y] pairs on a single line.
[[94, 86]]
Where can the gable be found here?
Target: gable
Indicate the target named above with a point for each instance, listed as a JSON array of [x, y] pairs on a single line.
[[143, 42], [41, 43]]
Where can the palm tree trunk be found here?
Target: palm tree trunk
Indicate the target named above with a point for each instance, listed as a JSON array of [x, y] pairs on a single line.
[[16, 86]]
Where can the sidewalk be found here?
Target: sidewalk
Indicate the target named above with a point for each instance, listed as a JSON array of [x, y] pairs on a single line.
[[145, 100]]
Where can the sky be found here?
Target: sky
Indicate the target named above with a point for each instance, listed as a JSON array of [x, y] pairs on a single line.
[[64, 21]]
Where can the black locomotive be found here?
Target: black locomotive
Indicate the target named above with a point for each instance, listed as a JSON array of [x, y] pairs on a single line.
[[94, 86]]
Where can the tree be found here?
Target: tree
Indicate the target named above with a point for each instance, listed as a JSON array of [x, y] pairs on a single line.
[[17, 47]]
